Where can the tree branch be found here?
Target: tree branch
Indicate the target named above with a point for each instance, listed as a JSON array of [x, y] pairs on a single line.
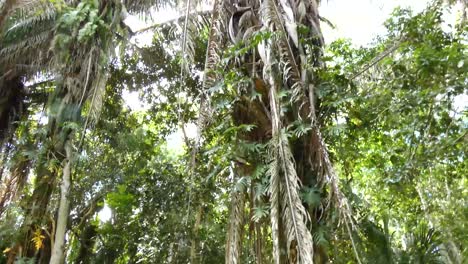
[[379, 57], [175, 20]]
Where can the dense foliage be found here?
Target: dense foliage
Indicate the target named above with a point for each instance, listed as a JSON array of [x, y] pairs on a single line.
[[230, 159]]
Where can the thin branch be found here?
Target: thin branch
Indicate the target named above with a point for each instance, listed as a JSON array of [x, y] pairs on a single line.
[[352, 242], [179, 108], [379, 57], [175, 20]]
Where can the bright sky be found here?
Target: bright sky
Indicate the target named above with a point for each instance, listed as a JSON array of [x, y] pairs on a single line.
[[359, 20]]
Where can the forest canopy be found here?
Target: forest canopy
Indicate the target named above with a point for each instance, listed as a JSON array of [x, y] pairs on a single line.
[[257, 140]]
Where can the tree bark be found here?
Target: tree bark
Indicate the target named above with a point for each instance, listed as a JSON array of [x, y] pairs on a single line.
[[58, 255], [194, 242], [5, 11], [46, 176], [12, 104], [292, 240], [235, 230]]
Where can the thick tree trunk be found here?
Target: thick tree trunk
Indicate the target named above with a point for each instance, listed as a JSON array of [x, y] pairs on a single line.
[[284, 64], [13, 183], [40, 202], [58, 248], [46, 176], [11, 104], [35, 218]]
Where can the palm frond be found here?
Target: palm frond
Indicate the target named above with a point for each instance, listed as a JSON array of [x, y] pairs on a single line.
[[283, 19], [36, 44], [27, 22], [216, 41], [25, 44], [189, 33], [326, 174], [143, 6], [98, 93], [284, 191], [215, 44], [275, 214]]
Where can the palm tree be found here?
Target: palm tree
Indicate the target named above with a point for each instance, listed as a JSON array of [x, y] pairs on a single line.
[[284, 61], [77, 39], [72, 41]]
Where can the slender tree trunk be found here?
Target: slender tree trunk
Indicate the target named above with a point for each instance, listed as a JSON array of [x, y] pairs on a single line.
[[258, 243], [194, 243], [58, 248]]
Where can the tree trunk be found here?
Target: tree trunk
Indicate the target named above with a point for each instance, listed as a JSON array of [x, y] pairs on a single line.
[[236, 228], [12, 104], [280, 64], [35, 217], [194, 255], [64, 210], [46, 173], [5, 11]]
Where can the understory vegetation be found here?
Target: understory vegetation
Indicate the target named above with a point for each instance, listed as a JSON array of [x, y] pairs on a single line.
[[257, 141]]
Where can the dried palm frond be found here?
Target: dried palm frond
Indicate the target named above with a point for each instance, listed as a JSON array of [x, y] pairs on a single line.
[[327, 173], [216, 41], [236, 225], [282, 19], [286, 205], [215, 44], [307, 14], [97, 98], [190, 31]]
